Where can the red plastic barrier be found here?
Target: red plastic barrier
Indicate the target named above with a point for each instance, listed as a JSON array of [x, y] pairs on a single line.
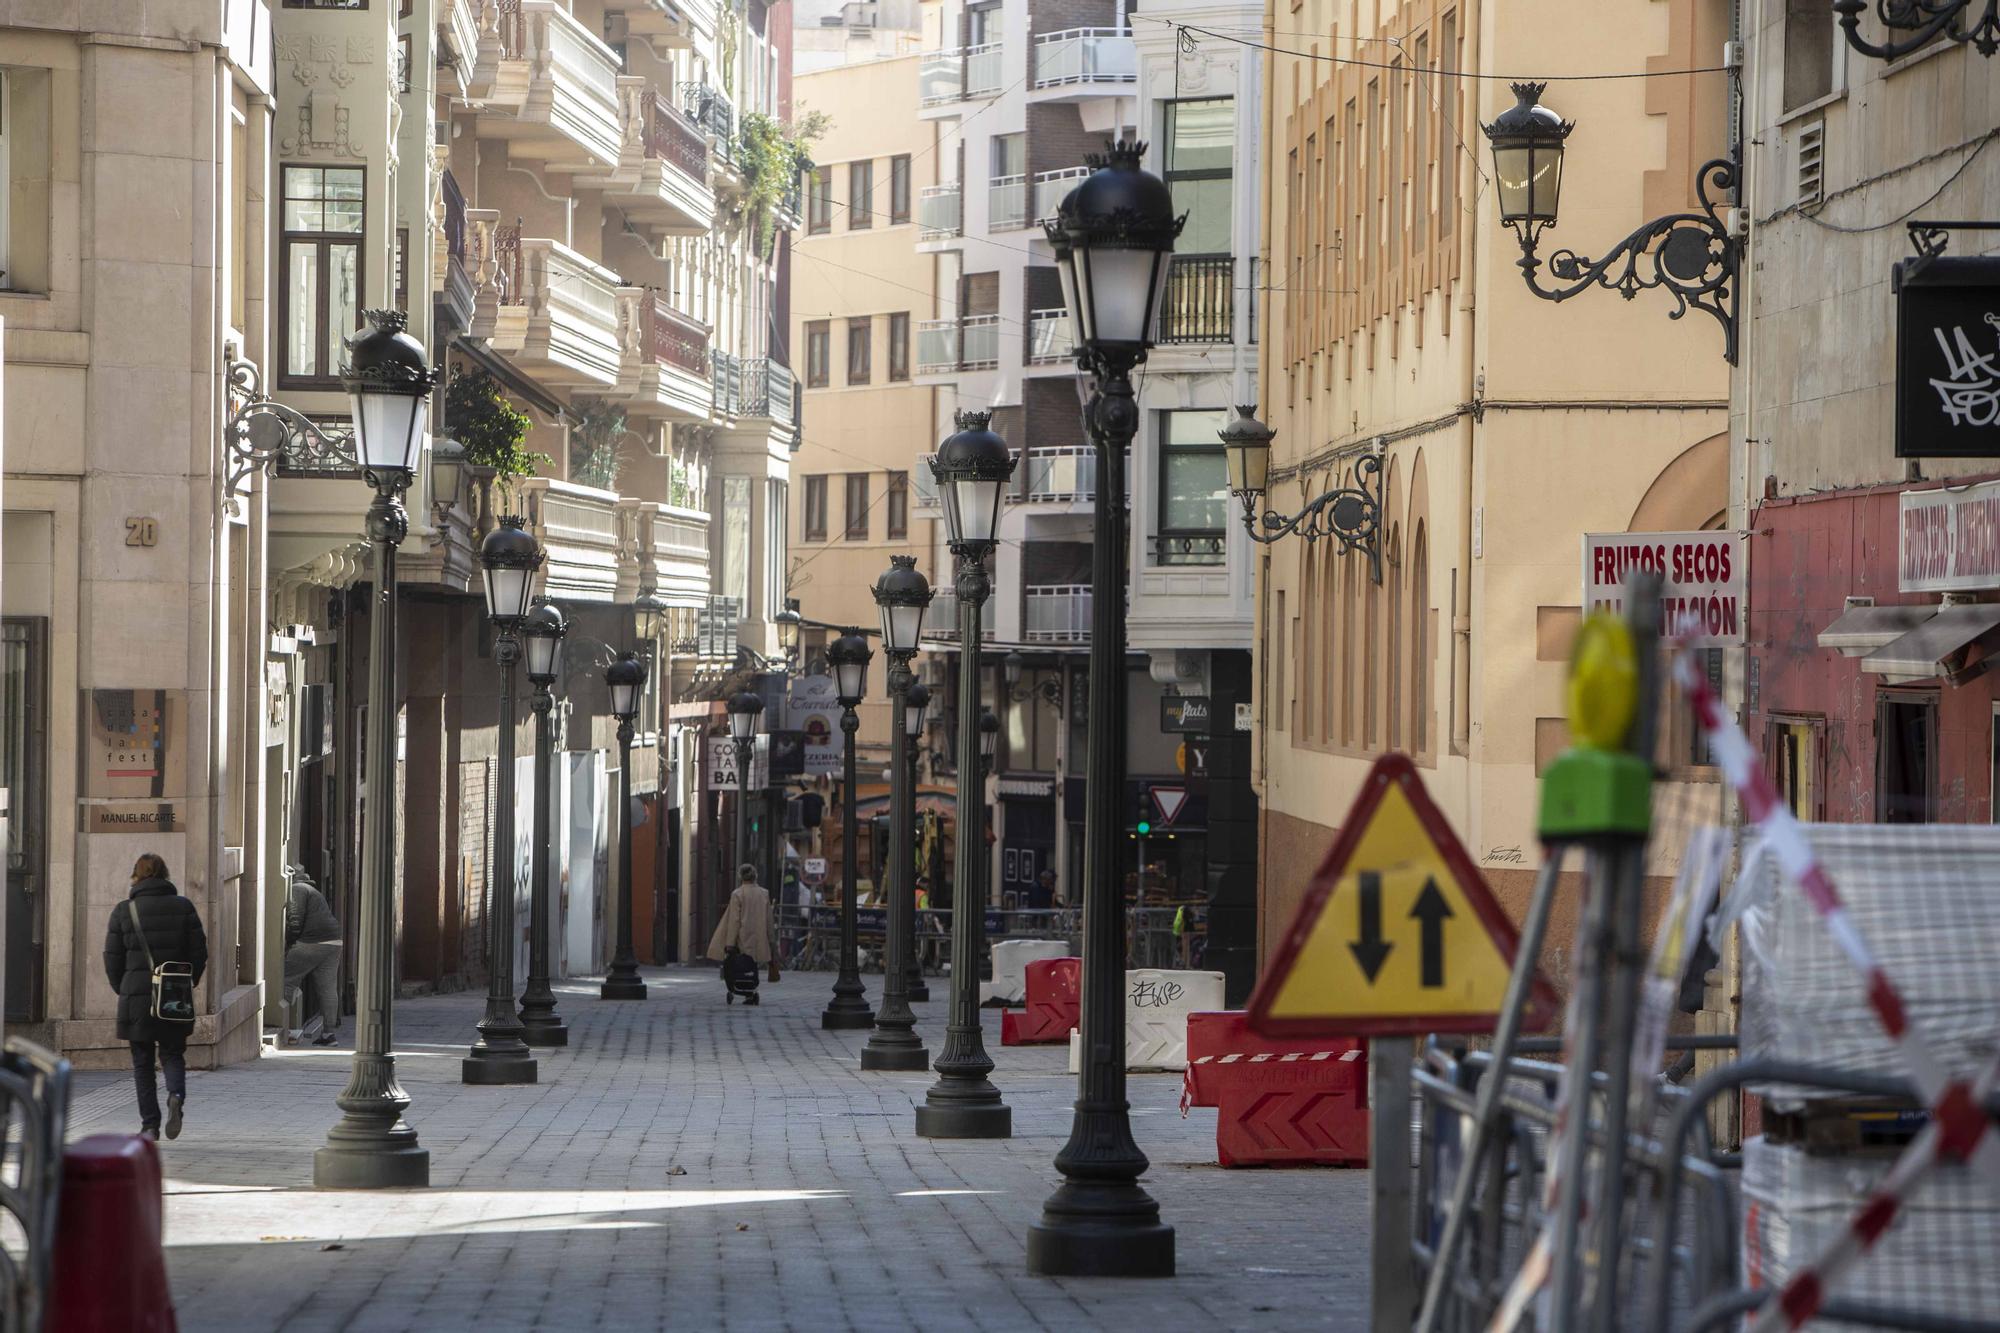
[[109, 1273], [1279, 1101], [1053, 1005]]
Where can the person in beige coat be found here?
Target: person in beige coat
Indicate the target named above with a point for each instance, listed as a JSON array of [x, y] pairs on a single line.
[[743, 940]]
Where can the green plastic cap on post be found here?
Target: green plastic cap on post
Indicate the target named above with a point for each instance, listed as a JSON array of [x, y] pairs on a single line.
[[1599, 787]]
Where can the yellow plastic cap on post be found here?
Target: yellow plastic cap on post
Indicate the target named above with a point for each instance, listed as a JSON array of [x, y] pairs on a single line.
[[1603, 682]]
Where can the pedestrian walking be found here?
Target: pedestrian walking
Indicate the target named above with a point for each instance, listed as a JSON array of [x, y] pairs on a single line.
[[312, 953], [743, 940], [154, 955], [1042, 896]]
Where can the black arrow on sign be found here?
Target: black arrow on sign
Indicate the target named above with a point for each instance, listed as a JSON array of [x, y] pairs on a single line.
[[1432, 909], [1371, 949]]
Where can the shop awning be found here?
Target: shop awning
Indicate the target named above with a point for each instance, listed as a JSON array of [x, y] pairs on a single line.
[[1861, 630], [1937, 646]]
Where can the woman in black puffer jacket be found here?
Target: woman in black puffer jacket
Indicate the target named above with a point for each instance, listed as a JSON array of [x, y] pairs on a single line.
[[173, 932]]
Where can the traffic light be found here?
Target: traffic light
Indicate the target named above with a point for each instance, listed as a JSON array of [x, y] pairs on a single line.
[[1142, 818]]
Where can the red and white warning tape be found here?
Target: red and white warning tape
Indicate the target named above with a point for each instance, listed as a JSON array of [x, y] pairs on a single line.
[[1256, 1058]]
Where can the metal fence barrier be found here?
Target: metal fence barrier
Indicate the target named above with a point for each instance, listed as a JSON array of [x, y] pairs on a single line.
[[34, 1110]]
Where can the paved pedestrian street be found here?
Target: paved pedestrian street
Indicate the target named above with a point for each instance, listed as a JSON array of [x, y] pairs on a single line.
[[687, 1164]]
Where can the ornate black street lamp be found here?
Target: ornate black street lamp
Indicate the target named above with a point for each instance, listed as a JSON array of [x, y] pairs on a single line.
[[1349, 515], [916, 703], [1011, 668], [1691, 255], [625, 679], [388, 382], [1113, 236], [745, 707], [542, 640], [848, 655], [901, 594], [972, 467], [1923, 20], [508, 558]]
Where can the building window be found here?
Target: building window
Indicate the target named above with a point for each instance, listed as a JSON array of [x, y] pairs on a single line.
[[1201, 145], [322, 269], [735, 563], [819, 216], [860, 195], [899, 188], [1905, 757], [1194, 489], [860, 333], [857, 507], [899, 345], [819, 339], [899, 505], [1810, 51], [403, 269], [816, 509]]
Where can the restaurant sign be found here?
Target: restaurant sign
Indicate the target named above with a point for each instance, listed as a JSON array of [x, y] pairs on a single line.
[[1949, 539], [1703, 576]]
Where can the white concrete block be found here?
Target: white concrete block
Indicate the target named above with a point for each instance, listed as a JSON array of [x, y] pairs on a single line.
[[1157, 1005], [1010, 967]]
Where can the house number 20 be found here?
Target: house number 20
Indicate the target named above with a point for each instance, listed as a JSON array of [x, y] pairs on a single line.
[[142, 532]]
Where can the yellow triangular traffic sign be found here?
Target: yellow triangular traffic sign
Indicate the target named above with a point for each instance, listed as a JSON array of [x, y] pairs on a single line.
[[1398, 932]]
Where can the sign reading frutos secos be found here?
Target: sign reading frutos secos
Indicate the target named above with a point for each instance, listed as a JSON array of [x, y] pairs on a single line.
[[1703, 577]]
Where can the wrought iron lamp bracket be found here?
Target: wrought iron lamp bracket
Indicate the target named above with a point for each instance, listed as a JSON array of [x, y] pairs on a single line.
[[1691, 256], [1349, 515], [1049, 691], [263, 432], [1924, 21]]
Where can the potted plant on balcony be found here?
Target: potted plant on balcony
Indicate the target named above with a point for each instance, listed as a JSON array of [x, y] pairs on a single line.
[[593, 446], [771, 154], [491, 430]]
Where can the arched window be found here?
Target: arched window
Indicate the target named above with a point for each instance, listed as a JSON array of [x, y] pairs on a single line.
[[1371, 692], [1420, 640], [1392, 674], [1350, 623], [1330, 631], [1308, 644]]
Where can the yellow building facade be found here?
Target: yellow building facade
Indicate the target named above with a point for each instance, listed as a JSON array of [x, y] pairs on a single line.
[[858, 289], [1397, 325]]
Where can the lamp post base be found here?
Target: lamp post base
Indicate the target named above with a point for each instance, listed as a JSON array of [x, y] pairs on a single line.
[[390, 1164], [554, 1032], [899, 1059], [966, 1120], [622, 988], [1101, 1230], [494, 1069], [843, 1015]]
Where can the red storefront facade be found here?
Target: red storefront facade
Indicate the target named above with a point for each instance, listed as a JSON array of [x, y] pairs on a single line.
[[1866, 680]]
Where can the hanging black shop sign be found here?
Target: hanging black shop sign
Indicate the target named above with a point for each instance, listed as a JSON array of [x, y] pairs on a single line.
[[1184, 713], [1947, 357]]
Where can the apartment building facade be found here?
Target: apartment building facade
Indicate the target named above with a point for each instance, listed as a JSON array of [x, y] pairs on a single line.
[[132, 216], [858, 290], [1399, 333], [583, 209], [1022, 94], [1865, 466]]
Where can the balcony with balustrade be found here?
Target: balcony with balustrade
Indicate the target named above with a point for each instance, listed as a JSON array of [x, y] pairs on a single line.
[[756, 392], [1199, 305], [1057, 475], [661, 182], [1078, 64], [1055, 613], [1050, 345], [679, 24], [552, 310], [946, 346], [549, 86], [941, 617], [711, 111], [663, 554], [579, 529], [1051, 187], [664, 367], [949, 77], [458, 45], [940, 215], [452, 289], [1007, 203]]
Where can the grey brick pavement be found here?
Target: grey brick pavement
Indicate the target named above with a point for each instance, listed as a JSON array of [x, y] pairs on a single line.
[[807, 1201]]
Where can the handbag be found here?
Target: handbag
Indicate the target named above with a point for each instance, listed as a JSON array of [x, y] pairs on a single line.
[[173, 983]]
